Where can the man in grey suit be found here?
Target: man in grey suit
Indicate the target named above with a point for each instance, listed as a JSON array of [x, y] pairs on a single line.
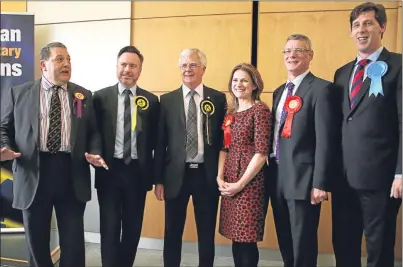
[[300, 166], [189, 141], [48, 128]]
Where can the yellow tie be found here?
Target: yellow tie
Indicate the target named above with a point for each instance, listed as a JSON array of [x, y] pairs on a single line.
[[134, 116]]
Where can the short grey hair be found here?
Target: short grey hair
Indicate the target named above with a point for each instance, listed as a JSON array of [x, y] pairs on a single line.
[[301, 37], [190, 51], [45, 51]]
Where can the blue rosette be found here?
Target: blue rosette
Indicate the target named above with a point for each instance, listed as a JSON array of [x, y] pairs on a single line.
[[375, 71]]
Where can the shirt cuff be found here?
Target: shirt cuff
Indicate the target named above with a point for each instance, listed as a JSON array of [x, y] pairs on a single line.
[[398, 176]]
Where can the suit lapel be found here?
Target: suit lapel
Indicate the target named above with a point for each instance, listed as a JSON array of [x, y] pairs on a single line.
[[112, 100], [180, 108], [305, 85], [35, 110], [139, 120], [277, 97], [367, 82], [73, 118], [346, 87]]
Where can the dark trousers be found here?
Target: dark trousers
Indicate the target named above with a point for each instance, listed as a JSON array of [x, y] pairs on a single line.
[[121, 207], [296, 223], [371, 212], [55, 189], [245, 254], [205, 202]]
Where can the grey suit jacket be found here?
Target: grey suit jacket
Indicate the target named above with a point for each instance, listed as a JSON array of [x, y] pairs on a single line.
[[306, 158], [170, 153], [19, 130]]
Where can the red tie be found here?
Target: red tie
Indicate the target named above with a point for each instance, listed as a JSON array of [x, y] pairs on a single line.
[[357, 81]]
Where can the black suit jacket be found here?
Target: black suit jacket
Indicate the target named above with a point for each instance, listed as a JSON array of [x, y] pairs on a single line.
[[105, 104], [170, 154], [19, 129], [372, 130], [306, 157]]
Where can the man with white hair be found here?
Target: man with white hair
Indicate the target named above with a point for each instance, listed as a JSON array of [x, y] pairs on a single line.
[[186, 158]]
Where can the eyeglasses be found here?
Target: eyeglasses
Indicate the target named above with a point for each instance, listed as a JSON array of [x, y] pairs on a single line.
[[191, 66], [297, 51]]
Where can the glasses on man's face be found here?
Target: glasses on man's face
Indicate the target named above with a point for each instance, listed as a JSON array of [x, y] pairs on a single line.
[[297, 51], [191, 66]]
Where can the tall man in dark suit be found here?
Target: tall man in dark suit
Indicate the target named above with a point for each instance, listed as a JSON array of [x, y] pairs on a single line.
[[127, 117], [48, 127], [300, 165], [189, 141], [367, 195]]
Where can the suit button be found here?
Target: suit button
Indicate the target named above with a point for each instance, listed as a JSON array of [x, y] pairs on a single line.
[[350, 119]]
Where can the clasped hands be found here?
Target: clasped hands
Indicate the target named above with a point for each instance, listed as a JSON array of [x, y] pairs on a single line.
[[96, 160], [229, 189]]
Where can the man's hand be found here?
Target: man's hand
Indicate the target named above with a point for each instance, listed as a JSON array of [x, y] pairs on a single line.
[[396, 190], [159, 191], [96, 160], [8, 154], [318, 196]]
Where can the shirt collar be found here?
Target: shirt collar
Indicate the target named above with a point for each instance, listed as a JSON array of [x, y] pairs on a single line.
[[373, 57], [198, 89], [121, 88], [46, 84], [297, 80]]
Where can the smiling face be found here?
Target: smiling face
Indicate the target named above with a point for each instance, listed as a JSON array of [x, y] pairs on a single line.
[[57, 68], [128, 69], [367, 33], [297, 56], [242, 85], [192, 71]]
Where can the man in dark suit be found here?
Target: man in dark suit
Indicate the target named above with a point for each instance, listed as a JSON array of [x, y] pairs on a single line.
[[127, 117], [367, 195], [300, 165], [48, 127], [189, 141]]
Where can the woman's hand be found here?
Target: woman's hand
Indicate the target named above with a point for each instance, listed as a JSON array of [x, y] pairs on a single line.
[[231, 189]]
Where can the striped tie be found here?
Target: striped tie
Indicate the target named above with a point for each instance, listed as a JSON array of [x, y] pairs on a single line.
[[357, 81], [55, 122], [191, 128], [127, 133], [290, 88]]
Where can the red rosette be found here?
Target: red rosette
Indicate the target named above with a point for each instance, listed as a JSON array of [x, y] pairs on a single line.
[[226, 126], [292, 105]]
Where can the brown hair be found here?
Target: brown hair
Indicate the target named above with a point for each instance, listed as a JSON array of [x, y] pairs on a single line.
[[380, 13], [257, 81]]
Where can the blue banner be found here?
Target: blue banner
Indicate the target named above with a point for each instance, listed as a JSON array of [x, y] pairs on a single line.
[[17, 67]]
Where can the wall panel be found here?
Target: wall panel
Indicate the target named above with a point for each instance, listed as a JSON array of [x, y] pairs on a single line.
[[147, 9], [13, 6], [286, 7], [332, 44], [226, 41], [75, 11]]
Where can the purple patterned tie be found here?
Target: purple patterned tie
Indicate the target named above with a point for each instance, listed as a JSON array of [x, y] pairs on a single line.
[[290, 87]]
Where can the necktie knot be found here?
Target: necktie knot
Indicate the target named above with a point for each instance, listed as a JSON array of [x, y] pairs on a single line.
[[56, 88], [290, 86], [364, 62], [127, 92], [192, 93]]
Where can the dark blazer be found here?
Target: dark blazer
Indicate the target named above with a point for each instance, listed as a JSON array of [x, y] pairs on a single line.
[[19, 129], [105, 105], [170, 154], [306, 157], [372, 130]]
